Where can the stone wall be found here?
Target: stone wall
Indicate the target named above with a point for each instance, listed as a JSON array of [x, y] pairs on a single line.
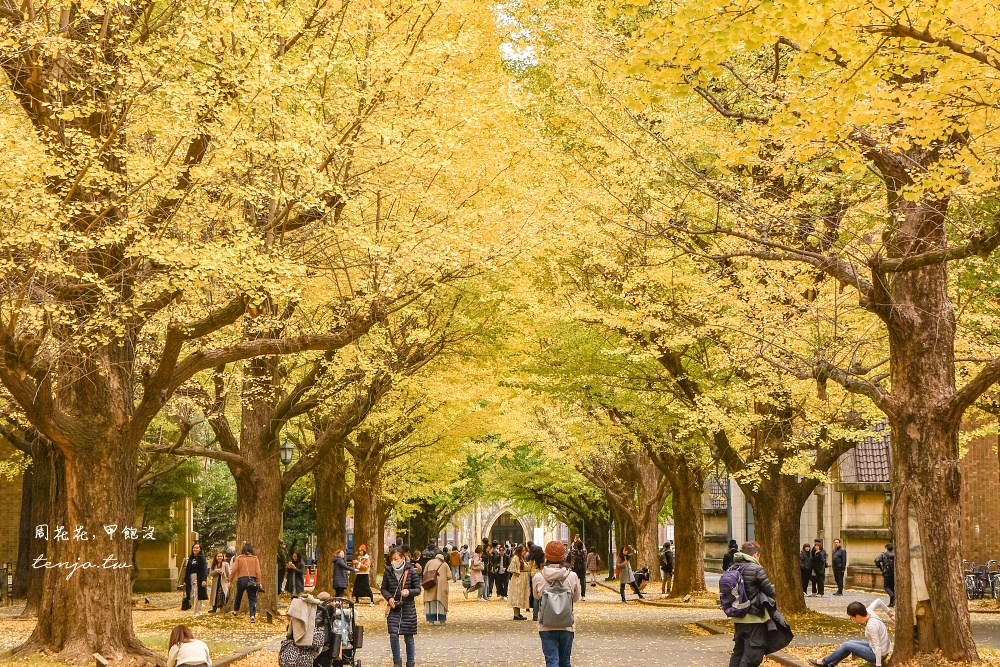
[[10, 514]]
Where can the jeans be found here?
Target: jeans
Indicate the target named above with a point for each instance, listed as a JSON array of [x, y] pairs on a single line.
[[750, 644], [436, 618], [456, 572], [411, 648], [557, 646], [890, 589], [241, 587], [860, 649]]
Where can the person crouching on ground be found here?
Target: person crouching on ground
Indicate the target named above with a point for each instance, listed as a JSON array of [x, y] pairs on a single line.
[[750, 631], [186, 650], [400, 584], [876, 649], [557, 639]]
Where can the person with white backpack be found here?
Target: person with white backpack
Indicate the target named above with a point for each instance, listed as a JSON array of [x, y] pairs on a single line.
[[556, 588]]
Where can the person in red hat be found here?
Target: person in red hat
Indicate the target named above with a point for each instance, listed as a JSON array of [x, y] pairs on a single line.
[[557, 589]]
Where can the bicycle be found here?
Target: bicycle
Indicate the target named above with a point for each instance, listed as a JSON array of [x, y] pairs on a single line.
[[973, 584]]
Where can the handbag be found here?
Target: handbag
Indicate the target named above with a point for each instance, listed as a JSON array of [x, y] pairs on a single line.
[[254, 585], [430, 579], [185, 603], [402, 585]]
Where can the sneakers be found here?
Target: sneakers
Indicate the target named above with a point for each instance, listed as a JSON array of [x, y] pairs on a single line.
[[839, 593], [253, 619]]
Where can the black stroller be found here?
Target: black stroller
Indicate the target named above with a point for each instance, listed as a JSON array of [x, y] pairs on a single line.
[[344, 636]]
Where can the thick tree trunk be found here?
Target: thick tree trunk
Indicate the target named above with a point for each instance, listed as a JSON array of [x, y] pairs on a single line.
[[777, 505], [367, 494], [920, 321], [25, 534], [259, 500], [48, 507], [89, 610], [331, 513], [647, 550], [689, 531]]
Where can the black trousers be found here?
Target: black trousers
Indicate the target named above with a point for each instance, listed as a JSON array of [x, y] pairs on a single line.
[[502, 580], [838, 575], [750, 642], [635, 587], [806, 578], [819, 579], [889, 586]]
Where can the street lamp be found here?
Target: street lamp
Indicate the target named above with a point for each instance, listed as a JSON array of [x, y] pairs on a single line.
[[285, 452]]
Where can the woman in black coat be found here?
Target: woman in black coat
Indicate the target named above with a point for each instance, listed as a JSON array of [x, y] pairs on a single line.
[[295, 572], [400, 584], [196, 579], [340, 571], [805, 567]]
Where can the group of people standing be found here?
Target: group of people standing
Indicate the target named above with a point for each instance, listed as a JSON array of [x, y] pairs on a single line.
[[813, 563], [203, 580]]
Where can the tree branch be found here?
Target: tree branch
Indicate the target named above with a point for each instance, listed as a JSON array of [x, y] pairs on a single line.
[[909, 32]]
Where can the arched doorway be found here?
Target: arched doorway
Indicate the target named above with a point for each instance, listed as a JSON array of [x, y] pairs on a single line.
[[507, 529]]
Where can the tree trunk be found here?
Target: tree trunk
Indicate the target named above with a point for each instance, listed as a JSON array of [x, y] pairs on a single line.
[[331, 513], [647, 550], [259, 501], [48, 507], [367, 493], [777, 505], [920, 320], [689, 531], [25, 534], [90, 610]]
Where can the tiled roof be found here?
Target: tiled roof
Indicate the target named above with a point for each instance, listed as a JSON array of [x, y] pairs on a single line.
[[871, 460]]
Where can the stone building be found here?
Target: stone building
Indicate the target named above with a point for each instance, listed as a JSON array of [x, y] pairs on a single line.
[[855, 507], [501, 522]]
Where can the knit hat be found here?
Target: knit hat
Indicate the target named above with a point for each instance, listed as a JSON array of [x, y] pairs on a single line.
[[555, 552], [733, 544]]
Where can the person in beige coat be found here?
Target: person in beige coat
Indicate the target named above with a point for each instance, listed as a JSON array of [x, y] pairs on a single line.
[[219, 569], [519, 588], [436, 597]]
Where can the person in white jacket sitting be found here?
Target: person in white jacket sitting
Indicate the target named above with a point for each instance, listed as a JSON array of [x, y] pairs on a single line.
[[877, 648], [186, 650]]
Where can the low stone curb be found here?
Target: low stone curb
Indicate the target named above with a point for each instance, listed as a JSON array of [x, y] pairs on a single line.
[[657, 603], [779, 657]]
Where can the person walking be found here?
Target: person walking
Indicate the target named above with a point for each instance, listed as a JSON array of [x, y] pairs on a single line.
[[466, 559], [593, 563], [247, 573], [839, 558], [295, 571], [455, 562], [341, 570], [400, 585], [578, 562], [220, 582], [196, 579], [727, 559], [536, 562], [362, 579], [886, 562], [477, 580], [806, 568], [819, 565], [520, 583], [666, 568], [625, 574], [558, 582], [750, 631], [436, 597], [185, 650]]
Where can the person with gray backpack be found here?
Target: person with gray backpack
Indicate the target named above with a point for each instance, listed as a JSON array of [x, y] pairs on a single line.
[[556, 588]]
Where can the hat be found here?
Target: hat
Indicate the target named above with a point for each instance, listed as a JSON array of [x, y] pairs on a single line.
[[733, 544], [363, 548], [555, 552], [323, 597]]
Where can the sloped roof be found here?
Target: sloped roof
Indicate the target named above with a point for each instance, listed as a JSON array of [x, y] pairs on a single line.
[[870, 462]]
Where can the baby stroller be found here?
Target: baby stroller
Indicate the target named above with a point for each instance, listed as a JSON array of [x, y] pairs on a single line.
[[344, 635]]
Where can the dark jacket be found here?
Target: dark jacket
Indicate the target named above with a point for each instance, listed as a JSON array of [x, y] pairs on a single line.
[[839, 559], [295, 577], [196, 564], [667, 561], [887, 563], [340, 570], [503, 560], [819, 560], [805, 561], [727, 560], [489, 563], [755, 582], [402, 619], [578, 559]]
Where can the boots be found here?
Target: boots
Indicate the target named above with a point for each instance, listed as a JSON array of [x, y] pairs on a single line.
[[411, 664], [397, 663]]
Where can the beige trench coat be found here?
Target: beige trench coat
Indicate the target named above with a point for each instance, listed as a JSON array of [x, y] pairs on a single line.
[[439, 592]]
